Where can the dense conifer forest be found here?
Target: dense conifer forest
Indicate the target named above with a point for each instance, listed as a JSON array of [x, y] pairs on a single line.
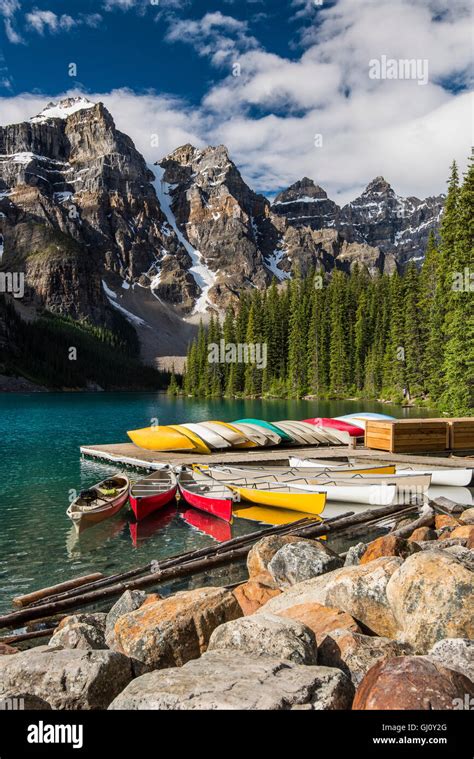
[[398, 337]]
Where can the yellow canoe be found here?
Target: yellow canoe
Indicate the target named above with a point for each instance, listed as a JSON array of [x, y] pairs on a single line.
[[245, 442], [198, 443], [161, 438], [283, 497]]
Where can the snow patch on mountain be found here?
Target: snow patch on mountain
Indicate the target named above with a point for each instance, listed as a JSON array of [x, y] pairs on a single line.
[[62, 109], [203, 276]]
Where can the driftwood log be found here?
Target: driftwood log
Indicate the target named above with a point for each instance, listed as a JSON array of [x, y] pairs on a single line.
[[38, 595]]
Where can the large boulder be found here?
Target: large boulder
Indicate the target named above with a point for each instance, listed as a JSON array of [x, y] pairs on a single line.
[[432, 597], [171, 631], [455, 653], [252, 595], [411, 682], [358, 590], [223, 680], [321, 619], [65, 678], [302, 560], [86, 631], [269, 635], [128, 601], [445, 520], [355, 653], [261, 554]]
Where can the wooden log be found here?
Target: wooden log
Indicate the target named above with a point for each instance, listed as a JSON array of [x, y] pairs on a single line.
[[446, 506], [181, 558], [12, 639], [188, 568], [425, 520], [37, 595]]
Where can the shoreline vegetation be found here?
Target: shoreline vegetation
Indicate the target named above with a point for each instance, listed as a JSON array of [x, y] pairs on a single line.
[[406, 338]]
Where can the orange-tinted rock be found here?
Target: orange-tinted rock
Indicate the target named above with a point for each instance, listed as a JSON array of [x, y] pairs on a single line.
[[321, 619], [387, 545], [152, 598], [5, 649], [446, 533], [261, 555], [174, 630], [467, 517], [252, 595], [444, 520], [466, 532], [421, 534], [411, 682]]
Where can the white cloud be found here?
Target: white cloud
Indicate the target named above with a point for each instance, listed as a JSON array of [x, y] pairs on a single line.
[[215, 35], [42, 21], [270, 114], [8, 10]]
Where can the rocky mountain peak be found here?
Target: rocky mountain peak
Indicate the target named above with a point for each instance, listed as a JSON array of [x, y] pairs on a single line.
[[299, 191], [62, 109], [378, 186]]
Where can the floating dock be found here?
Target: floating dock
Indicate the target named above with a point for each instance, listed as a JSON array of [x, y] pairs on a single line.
[[128, 454]]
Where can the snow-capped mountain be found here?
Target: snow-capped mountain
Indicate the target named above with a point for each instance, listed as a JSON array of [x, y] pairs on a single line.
[[94, 228]]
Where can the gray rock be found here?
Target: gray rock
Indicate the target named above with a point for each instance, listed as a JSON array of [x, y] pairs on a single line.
[[455, 653], [463, 554], [223, 680], [354, 554], [267, 634], [65, 678], [79, 635], [131, 600], [355, 653], [296, 562]]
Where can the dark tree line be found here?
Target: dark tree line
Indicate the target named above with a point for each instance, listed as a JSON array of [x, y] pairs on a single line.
[[393, 337]]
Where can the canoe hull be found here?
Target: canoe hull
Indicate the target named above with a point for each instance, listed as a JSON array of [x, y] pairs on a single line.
[[142, 507], [161, 439], [310, 503], [218, 507], [298, 463], [337, 424]]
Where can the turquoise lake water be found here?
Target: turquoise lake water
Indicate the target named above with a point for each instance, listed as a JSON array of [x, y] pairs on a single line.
[[40, 464]]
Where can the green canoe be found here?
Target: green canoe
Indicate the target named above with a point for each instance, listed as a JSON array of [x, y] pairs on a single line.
[[267, 426]]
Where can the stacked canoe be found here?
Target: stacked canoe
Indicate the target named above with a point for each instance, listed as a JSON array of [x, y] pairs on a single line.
[[205, 437]]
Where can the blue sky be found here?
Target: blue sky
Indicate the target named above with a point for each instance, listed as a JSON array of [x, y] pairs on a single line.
[[168, 67]]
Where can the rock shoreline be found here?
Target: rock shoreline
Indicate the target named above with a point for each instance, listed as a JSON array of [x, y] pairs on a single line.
[[391, 627]]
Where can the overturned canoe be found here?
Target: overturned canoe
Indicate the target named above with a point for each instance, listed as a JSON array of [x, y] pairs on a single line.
[[240, 440], [209, 436], [337, 424], [199, 444], [256, 435], [267, 426], [161, 438]]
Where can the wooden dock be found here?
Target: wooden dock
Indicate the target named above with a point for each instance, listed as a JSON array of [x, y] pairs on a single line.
[[128, 454]]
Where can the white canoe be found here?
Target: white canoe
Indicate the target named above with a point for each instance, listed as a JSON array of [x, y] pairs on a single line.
[[253, 433], [227, 431], [272, 437], [376, 495], [210, 437], [458, 495], [459, 478]]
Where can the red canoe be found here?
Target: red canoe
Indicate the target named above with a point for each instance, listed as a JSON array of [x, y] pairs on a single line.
[[153, 493], [206, 495], [215, 528], [337, 424], [142, 531]]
